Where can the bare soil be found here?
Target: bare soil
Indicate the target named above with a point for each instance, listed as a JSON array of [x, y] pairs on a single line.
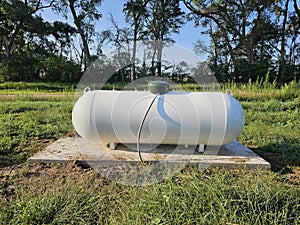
[[40, 177]]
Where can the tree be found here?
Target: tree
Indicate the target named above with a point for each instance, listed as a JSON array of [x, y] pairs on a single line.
[[58, 68], [63, 34], [289, 42], [121, 40], [249, 32], [283, 36], [23, 37], [16, 18], [236, 20], [136, 12], [84, 13], [296, 7], [28, 50], [164, 17]]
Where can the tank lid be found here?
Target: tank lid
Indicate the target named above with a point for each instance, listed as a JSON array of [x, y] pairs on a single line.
[[159, 87]]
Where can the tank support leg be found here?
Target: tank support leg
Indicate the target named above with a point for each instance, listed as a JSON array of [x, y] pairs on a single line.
[[201, 148], [113, 145]]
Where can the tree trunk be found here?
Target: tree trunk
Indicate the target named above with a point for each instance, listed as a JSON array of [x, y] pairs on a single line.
[[77, 22], [296, 8], [159, 57], [136, 27], [282, 46], [153, 58]]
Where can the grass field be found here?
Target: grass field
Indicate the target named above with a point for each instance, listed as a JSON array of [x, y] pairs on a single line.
[[34, 115]]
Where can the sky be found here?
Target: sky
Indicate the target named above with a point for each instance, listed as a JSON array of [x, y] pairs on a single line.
[[186, 38]]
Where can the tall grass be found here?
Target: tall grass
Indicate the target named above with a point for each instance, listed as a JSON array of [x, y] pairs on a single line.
[[259, 89], [190, 197], [262, 89], [37, 86]]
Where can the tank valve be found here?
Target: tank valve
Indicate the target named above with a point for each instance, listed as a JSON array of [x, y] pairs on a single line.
[[159, 87]]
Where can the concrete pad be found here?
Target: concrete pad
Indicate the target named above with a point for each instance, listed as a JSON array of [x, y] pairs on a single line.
[[233, 155]]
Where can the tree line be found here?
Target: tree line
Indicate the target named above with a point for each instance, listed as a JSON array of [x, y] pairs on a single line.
[[249, 39]]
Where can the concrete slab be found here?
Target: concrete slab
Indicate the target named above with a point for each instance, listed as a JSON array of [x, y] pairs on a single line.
[[233, 155]]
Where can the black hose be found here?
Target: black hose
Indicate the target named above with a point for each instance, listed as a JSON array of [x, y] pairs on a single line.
[[141, 127]]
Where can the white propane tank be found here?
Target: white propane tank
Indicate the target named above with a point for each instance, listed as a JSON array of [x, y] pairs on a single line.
[[187, 118]]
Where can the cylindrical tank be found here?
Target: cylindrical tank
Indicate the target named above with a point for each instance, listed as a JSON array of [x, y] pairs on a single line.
[[188, 118]]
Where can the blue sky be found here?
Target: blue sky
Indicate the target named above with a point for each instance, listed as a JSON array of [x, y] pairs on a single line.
[[186, 38]]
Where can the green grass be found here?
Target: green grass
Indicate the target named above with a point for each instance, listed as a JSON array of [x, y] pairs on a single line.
[[67, 194], [273, 128], [28, 126], [190, 197], [36, 87]]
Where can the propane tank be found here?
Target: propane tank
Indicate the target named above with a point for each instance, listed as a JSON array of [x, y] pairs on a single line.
[[187, 118]]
